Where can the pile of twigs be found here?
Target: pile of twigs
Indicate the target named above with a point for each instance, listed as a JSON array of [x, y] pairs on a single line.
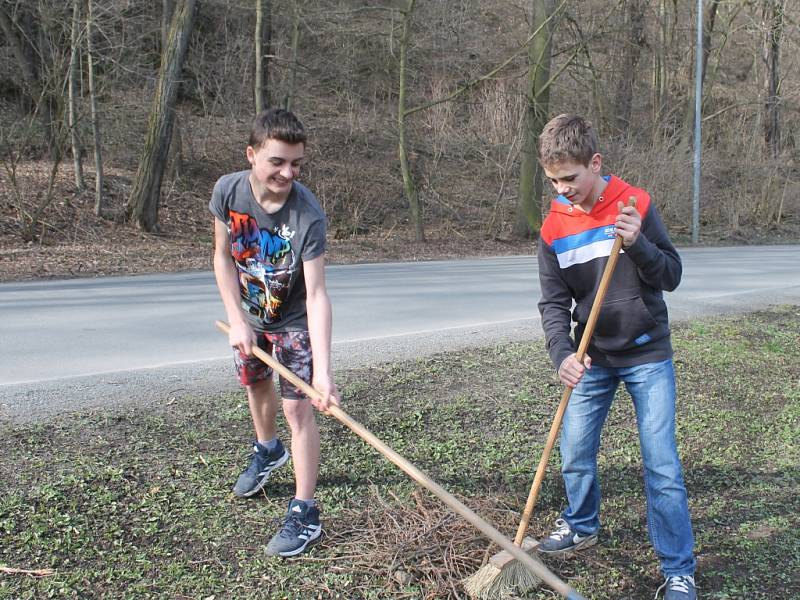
[[417, 548]]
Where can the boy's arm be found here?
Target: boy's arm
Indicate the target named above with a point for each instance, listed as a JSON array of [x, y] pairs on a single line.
[[318, 307], [554, 306], [656, 259], [241, 335]]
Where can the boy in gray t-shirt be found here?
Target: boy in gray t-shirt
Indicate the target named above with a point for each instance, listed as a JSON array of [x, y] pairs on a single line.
[[269, 245]]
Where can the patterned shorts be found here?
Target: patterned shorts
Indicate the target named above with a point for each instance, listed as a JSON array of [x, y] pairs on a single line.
[[292, 350]]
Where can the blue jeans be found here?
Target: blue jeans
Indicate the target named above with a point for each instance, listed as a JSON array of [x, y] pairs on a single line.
[[652, 387]]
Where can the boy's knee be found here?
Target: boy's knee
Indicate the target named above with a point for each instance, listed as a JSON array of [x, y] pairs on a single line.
[[298, 413], [262, 391]]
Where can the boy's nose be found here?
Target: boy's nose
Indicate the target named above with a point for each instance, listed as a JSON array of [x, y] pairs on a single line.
[[287, 172]]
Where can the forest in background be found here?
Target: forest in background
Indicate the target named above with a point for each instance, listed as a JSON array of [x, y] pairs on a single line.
[[440, 157]]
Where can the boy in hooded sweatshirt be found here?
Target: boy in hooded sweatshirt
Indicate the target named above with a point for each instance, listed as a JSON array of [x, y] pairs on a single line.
[[631, 343]]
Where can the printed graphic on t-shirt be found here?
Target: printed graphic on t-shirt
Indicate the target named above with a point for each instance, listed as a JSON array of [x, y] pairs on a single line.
[[265, 261]]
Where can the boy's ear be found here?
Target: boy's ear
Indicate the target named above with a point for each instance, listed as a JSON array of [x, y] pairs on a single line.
[[251, 154], [596, 162]]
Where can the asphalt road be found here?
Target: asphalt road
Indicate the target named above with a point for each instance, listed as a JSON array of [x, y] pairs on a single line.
[[83, 343]]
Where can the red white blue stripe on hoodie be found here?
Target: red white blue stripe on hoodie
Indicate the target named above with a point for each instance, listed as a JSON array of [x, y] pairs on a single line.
[[582, 247]]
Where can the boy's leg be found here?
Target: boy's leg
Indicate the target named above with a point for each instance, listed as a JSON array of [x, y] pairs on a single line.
[[293, 350], [652, 387], [305, 445], [263, 403], [580, 440], [256, 377], [302, 524]]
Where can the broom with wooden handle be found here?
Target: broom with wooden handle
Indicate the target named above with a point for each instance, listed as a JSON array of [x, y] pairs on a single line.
[[541, 571], [502, 574]]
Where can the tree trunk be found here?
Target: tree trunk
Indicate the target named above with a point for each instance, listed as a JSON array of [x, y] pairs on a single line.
[[144, 199], [631, 53], [74, 74], [295, 48], [708, 29], [99, 204], [659, 63], [263, 39], [773, 22], [408, 181], [167, 8], [529, 207]]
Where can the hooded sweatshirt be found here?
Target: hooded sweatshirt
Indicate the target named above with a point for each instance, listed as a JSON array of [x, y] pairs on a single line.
[[632, 327]]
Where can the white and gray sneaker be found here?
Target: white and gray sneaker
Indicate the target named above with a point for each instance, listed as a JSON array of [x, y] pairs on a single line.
[[679, 587], [563, 540], [300, 528], [262, 464]]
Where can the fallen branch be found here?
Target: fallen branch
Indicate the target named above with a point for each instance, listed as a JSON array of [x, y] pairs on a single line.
[[32, 572]]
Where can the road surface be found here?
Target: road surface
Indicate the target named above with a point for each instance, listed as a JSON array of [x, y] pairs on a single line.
[[73, 344]]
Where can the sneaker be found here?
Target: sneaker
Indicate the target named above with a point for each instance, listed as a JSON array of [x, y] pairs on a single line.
[[300, 528], [262, 464], [563, 540], [680, 587]]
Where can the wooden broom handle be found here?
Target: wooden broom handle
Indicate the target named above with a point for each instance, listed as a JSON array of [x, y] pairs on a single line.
[[605, 281], [490, 532]]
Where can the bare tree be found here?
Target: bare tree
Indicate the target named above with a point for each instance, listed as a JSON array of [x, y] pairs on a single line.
[[659, 81], [408, 180], [773, 13], [143, 203], [631, 53], [708, 29], [294, 52], [263, 40], [529, 207], [99, 205], [74, 91], [167, 8]]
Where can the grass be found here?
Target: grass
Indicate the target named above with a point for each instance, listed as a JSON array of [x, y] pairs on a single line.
[[137, 504]]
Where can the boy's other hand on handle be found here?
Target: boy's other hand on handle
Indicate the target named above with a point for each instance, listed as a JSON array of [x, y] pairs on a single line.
[[571, 370], [628, 224], [329, 393], [241, 337]]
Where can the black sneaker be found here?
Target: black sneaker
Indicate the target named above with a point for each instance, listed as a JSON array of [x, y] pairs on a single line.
[[262, 464], [680, 587], [300, 528], [563, 540]]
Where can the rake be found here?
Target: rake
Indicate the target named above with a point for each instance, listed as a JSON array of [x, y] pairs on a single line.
[[536, 566]]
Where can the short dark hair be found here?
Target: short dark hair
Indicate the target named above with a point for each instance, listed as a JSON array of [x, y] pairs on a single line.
[[276, 124], [567, 138]]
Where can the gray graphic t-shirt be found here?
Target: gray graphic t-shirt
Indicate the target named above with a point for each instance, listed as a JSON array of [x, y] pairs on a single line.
[[269, 250]]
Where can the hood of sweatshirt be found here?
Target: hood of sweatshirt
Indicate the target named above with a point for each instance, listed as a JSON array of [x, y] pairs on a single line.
[[566, 220]]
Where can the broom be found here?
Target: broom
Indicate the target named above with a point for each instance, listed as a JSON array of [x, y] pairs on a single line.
[[502, 574], [535, 565]]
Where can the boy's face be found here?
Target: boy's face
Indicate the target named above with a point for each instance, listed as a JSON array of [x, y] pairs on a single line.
[[579, 184], [275, 165]]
